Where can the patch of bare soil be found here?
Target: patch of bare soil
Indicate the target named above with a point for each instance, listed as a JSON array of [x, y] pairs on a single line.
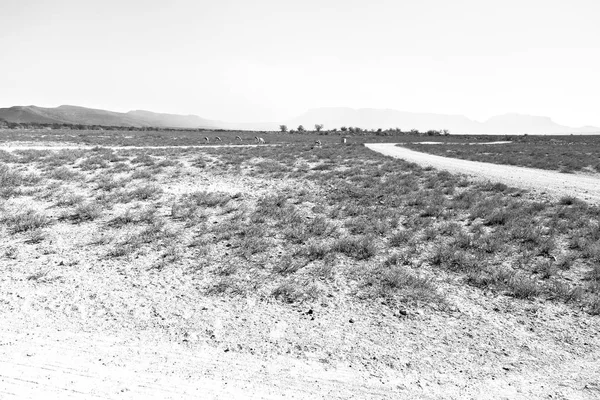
[[15, 146], [542, 182], [487, 348]]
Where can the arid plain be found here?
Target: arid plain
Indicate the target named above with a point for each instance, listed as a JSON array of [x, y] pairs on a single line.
[[289, 269]]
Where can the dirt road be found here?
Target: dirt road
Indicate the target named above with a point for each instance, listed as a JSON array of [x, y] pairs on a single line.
[[553, 184]]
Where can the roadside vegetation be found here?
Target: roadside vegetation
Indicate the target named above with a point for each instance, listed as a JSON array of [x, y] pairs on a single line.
[[336, 218], [567, 154]]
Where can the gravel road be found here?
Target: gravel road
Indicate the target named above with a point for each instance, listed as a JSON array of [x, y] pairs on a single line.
[[544, 182]]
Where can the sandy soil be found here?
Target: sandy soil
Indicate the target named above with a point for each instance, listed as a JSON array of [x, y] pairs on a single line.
[[490, 347], [539, 181], [45, 363], [66, 146]]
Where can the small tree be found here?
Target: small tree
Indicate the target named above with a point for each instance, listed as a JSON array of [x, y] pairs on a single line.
[[318, 127], [300, 128], [283, 128], [343, 129], [446, 132]]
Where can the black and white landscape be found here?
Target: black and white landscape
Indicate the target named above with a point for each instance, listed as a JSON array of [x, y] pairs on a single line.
[[332, 199], [331, 118]]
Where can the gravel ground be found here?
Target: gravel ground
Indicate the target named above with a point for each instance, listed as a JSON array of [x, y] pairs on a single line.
[[63, 146]]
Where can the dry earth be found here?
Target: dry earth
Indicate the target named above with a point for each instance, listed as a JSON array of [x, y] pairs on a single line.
[[92, 329], [542, 182], [67, 146]]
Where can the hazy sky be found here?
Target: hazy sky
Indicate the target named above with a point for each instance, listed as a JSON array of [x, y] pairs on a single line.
[[261, 60]]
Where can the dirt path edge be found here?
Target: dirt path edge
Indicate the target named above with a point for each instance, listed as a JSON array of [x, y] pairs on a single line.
[[554, 184]]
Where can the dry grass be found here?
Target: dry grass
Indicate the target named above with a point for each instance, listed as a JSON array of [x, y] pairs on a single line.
[[296, 224], [566, 154]]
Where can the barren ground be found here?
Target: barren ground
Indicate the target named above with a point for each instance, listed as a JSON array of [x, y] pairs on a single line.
[[77, 323]]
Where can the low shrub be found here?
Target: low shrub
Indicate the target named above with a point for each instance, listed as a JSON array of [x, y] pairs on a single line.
[[294, 291], [359, 248], [25, 221]]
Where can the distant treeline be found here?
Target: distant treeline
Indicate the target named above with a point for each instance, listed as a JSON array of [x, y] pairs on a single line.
[[378, 132], [283, 129], [79, 127]]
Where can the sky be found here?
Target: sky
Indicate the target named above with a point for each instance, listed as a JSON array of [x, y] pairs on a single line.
[[270, 60]]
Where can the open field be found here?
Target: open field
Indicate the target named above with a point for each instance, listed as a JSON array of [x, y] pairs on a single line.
[[195, 138], [566, 154], [333, 272], [154, 138]]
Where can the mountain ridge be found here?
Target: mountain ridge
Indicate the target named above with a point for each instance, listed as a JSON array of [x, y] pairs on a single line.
[[369, 118], [330, 117]]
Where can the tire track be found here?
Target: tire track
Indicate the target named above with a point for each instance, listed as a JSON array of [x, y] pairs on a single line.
[[81, 365]]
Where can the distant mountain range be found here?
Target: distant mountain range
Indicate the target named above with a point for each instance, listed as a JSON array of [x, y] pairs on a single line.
[[371, 118], [90, 116], [334, 117]]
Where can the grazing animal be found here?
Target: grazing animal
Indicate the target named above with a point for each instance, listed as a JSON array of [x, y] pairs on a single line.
[[259, 140], [318, 143], [238, 138], [207, 140], [217, 139]]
